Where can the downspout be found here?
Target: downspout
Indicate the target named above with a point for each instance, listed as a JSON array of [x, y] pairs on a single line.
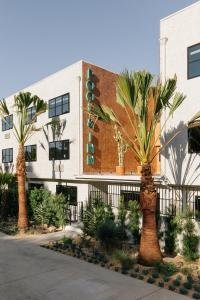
[[80, 133], [163, 75]]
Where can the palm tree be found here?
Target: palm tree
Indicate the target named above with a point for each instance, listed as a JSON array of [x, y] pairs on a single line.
[[143, 102], [23, 129]]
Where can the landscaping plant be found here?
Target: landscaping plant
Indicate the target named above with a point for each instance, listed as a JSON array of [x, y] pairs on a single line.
[[134, 220], [23, 129], [142, 102]]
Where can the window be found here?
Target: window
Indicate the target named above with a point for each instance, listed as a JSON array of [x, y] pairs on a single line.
[[70, 193], [7, 155], [130, 195], [33, 185], [7, 123], [59, 150], [197, 207], [30, 153], [194, 139], [194, 61], [31, 111], [59, 106]]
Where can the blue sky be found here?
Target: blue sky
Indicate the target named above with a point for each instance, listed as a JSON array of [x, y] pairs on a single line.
[[39, 37]]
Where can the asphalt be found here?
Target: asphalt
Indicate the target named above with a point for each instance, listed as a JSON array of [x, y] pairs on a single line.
[[30, 272]]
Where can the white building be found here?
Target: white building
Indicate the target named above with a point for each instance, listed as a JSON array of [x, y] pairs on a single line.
[[180, 55]]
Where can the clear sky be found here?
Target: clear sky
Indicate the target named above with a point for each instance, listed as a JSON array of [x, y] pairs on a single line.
[[39, 37]]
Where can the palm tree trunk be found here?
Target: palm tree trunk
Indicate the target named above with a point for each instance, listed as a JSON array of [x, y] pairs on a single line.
[[21, 178], [149, 252]]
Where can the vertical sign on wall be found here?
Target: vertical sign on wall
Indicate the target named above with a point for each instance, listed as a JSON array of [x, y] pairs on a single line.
[[90, 97]]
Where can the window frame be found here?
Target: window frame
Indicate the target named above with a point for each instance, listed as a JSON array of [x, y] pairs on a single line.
[[55, 158], [188, 52], [32, 115], [10, 161], [55, 99], [6, 123], [34, 145]]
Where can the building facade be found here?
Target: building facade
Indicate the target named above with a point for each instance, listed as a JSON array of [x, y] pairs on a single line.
[[180, 55], [73, 150]]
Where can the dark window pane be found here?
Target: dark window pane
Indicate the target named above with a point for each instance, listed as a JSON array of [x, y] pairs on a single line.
[[194, 61], [59, 150], [194, 139], [58, 110], [59, 105], [194, 69], [7, 155]]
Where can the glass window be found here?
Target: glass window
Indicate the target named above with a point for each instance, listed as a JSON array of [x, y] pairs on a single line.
[[7, 155], [194, 61], [194, 139], [59, 105], [31, 111], [7, 123], [30, 153], [59, 150], [70, 193]]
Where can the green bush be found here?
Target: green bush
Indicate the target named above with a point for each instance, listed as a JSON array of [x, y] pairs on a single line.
[[134, 220], [190, 239], [96, 213], [196, 296], [124, 259], [46, 208], [183, 291], [122, 213], [173, 228], [108, 233]]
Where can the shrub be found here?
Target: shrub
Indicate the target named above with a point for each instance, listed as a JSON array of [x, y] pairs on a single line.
[[96, 213], [197, 289], [155, 275], [196, 296], [183, 291], [190, 239], [47, 208], [171, 287], [170, 268], [134, 220], [173, 228], [176, 282], [187, 285], [122, 213], [108, 233], [124, 259], [67, 241], [151, 280]]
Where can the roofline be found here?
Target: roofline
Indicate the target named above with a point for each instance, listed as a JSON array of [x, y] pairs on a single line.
[[52, 74], [179, 11]]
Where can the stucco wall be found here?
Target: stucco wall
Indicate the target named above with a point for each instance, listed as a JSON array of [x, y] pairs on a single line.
[[178, 32]]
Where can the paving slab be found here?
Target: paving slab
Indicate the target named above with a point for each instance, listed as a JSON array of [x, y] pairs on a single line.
[[28, 271]]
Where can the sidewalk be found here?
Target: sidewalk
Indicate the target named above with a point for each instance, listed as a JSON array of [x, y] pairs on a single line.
[[29, 272]]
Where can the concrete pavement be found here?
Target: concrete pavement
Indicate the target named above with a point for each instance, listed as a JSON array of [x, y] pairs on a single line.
[[29, 272]]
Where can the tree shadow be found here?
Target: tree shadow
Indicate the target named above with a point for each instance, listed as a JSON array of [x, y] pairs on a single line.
[[179, 160], [53, 130]]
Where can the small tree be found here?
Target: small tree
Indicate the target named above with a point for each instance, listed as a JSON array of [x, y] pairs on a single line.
[[23, 129], [6, 180], [143, 103]]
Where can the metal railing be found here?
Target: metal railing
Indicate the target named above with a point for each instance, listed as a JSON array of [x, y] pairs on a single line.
[[172, 199]]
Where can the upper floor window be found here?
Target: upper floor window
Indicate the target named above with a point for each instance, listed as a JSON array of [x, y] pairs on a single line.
[[7, 155], [59, 106], [59, 150], [31, 111], [7, 123], [194, 139], [194, 61], [30, 153]]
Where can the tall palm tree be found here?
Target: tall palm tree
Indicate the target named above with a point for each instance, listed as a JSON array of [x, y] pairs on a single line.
[[23, 129], [143, 102]]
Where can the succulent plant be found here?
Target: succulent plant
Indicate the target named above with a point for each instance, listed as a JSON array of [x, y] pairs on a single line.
[[161, 284], [134, 275], [196, 296], [183, 291], [187, 285], [151, 280], [176, 282], [155, 275], [171, 287]]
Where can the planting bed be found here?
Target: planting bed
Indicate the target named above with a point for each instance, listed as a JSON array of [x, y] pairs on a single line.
[[173, 274]]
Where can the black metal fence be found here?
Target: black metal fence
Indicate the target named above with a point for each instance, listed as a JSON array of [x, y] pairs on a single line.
[[171, 198], [75, 212]]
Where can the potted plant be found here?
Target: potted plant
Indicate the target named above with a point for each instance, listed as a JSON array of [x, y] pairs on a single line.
[[121, 148]]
